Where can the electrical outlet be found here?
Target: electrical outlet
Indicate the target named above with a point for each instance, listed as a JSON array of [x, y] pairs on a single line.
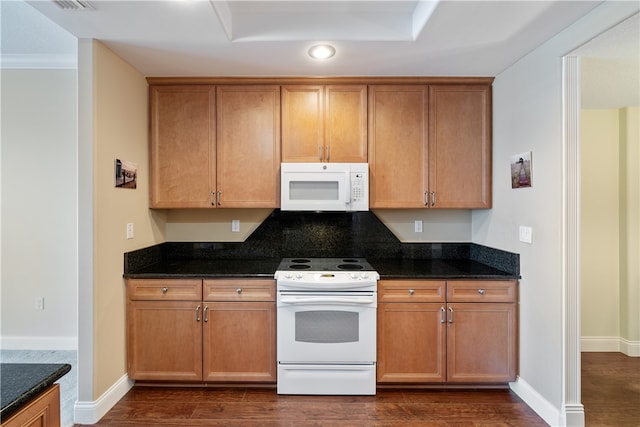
[[235, 225], [130, 230], [417, 226], [526, 234], [40, 303]]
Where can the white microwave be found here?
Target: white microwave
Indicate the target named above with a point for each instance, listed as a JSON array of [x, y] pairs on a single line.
[[324, 187]]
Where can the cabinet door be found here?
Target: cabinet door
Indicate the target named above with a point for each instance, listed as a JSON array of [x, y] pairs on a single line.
[[248, 146], [164, 340], [182, 147], [240, 341], [411, 343], [460, 146], [41, 411], [398, 155], [346, 124], [481, 342], [302, 123]]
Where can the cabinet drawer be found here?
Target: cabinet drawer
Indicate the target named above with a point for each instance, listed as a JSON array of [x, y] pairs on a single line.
[[167, 290], [482, 291], [411, 290], [239, 290]]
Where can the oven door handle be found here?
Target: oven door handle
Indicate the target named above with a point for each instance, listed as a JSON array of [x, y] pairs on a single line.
[[328, 300]]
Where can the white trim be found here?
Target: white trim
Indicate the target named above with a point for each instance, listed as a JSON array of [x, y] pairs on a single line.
[[630, 348], [39, 343], [39, 61], [572, 413], [536, 401], [92, 412], [610, 345]]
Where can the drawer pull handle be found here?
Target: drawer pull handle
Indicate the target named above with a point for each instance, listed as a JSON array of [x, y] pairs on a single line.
[[198, 313], [443, 317], [450, 314], [164, 290], [239, 291], [204, 312], [481, 291], [412, 291]]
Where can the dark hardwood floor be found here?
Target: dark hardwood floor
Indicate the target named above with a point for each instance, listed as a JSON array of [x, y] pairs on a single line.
[[254, 407], [610, 392], [611, 389]]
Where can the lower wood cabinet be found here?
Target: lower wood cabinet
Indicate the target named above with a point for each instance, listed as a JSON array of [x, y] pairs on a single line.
[[239, 331], [177, 333], [42, 411], [458, 332]]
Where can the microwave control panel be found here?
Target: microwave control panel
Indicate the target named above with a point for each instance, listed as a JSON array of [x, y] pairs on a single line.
[[358, 186]]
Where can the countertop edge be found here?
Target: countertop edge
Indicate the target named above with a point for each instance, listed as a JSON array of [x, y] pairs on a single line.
[[25, 397]]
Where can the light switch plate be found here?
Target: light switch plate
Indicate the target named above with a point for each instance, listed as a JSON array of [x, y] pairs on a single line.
[[526, 234], [235, 225], [130, 230], [417, 225]]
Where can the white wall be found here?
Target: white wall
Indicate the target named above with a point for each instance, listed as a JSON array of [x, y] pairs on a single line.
[[39, 201], [610, 301], [113, 118], [600, 228], [528, 114]]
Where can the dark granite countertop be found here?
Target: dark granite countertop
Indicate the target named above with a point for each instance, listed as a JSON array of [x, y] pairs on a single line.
[[436, 269], [21, 382], [208, 268], [324, 235], [387, 268]]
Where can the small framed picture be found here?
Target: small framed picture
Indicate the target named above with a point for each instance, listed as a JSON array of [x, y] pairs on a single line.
[[521, 170], [126, 174]]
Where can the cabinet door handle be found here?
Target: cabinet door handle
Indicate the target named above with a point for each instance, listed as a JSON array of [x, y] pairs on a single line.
[[443, 315], [320, 152], [433, 198], [164, 290], [327, 151], [450, 314], [198, 313], [426, 198], [481, 291], [219, 198], [204, 312], [213, 198]]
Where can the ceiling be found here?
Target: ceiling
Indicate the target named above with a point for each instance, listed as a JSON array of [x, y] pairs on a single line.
[[271, 38]]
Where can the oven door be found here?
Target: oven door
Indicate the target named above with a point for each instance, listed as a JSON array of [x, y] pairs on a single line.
[[326, 327]]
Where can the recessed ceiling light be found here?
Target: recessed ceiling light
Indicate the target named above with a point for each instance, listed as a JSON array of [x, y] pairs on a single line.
[[322, 51]]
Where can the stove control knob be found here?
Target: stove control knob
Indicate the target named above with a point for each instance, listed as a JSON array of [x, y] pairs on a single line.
[[365, 275], [299, 276], [288, 275], [354, 276]]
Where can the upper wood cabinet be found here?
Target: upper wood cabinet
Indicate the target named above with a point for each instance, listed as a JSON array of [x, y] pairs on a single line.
[[248, 146], [398, 150], [430, 146], [182, 148], [460, 146], [324, 123], [215, 147]]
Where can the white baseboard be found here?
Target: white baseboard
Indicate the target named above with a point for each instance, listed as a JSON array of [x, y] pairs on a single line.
[[610, 344], [536, 401], [39, 343], [630, 348], [91, 412]]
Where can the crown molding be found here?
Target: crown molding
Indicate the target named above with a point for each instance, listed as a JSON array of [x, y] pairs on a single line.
[[39, 61]]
